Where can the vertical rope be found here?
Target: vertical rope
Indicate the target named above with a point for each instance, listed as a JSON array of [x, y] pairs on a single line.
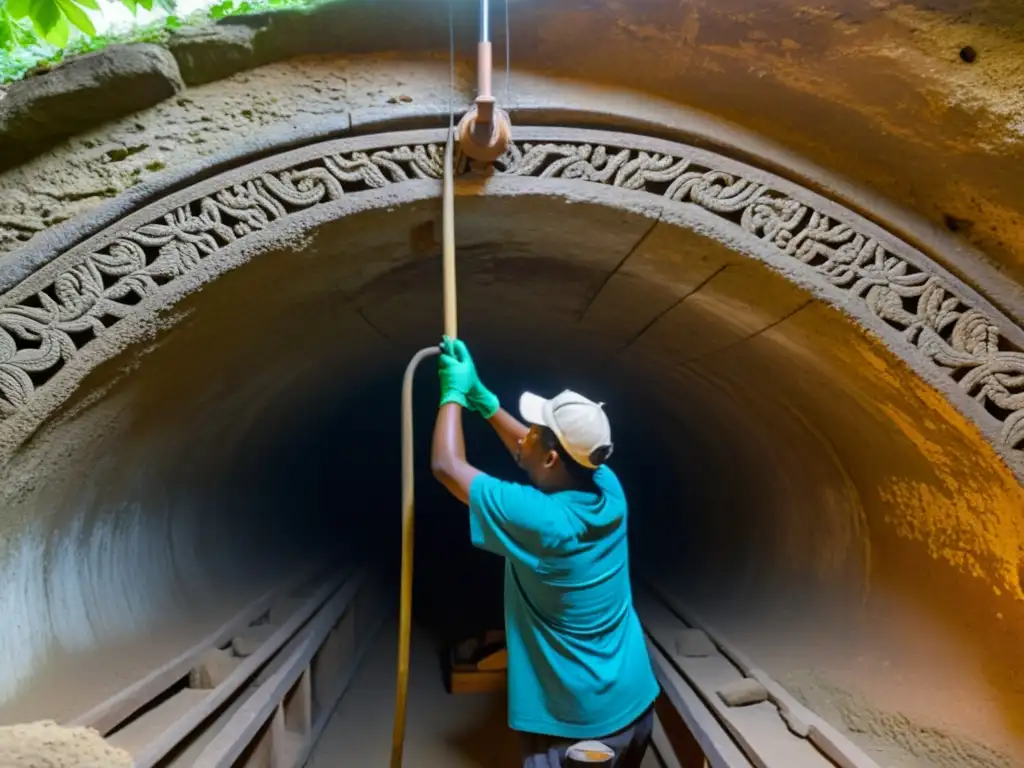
[[451, 66], [508, 60]]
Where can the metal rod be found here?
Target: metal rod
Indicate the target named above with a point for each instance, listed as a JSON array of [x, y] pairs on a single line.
[[485, 21], [408, 489], [451, 322]]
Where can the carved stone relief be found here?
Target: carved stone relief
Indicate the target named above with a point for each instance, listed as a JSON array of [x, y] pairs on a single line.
[[94, 289]]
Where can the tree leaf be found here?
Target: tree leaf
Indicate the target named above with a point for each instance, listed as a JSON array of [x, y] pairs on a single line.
[[56, 34], [45, 15], [168, 5], [147, 4], [59, 33], [131, 5], [6, 33], [222, 9], [18, 9], [77, 16], [92, 5]]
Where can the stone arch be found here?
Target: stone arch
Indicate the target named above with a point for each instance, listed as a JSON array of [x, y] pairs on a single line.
[[71, 309]]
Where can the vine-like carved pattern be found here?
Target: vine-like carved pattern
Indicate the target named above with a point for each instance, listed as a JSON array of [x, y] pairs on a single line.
[[40, 334]]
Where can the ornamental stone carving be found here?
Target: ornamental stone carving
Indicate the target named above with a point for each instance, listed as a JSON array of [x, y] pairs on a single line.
[[94, 289]]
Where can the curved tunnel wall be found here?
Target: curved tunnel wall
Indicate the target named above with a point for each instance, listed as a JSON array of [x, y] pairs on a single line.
[[811, 463]]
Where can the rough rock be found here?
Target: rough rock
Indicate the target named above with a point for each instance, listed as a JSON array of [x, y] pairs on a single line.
[[355, 26], [44, 743], [287, 33], [206, 54], [213, 668], [247, 644], [742, 693], [83, 93]]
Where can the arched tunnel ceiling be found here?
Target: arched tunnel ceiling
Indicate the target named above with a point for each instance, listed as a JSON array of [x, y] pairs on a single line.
[[721, 302], [732, 368]]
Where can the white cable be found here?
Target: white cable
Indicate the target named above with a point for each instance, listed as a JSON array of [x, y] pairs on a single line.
[[508, 60], [451, 64]]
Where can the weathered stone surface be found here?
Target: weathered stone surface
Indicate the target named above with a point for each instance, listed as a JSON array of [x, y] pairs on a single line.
[[81, 94], [206, 54], [354, 26], [213, 668]]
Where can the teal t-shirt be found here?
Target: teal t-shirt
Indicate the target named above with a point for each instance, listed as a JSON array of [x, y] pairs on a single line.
[[578, 665]]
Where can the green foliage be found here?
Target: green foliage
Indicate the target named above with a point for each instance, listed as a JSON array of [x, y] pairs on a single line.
[[40, 33], [23, 49], [241, 7], [53, 20]]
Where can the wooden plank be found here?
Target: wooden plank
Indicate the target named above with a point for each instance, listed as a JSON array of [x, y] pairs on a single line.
[[106, 716], [662, 746], [143, 729], [460, 682], [681, 749], [278, 734], [236, 735], [332, 699], [159, 749], [718, 746], [303, 704]]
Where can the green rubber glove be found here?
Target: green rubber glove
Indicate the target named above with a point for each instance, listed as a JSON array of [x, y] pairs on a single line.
[[457, 376], [479, 397]]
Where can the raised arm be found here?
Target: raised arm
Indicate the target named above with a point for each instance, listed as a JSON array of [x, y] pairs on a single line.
[[482, 400], [448, 452], [509, 429]]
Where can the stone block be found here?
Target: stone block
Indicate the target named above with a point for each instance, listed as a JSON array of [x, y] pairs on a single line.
[[213, 668], [82, 93], [206, 54], [742, 693]]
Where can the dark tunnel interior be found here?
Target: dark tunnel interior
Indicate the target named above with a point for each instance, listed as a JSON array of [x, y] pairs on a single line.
[[347, 462]]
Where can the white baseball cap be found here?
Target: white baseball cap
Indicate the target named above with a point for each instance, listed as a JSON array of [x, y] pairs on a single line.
[[580, 425]]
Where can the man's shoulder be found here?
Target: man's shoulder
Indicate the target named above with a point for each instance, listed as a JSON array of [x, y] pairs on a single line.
[[608, 482], [488, 489]]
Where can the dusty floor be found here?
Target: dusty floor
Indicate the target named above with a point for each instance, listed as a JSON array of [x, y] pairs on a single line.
[[443, 730], [471, 731]]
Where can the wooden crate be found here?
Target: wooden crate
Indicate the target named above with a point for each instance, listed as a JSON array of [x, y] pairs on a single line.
[[478, 665]]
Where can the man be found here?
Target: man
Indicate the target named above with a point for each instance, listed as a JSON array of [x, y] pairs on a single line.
[[578, 667]]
